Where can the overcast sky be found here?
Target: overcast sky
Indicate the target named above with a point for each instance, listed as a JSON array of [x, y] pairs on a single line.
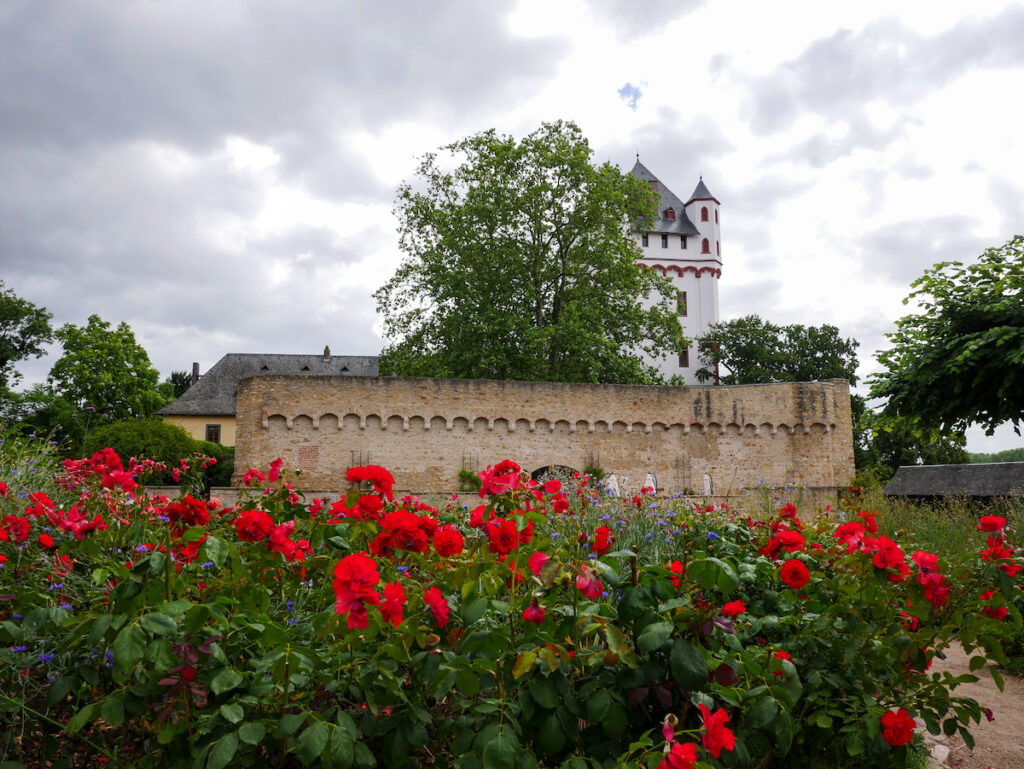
[[221, 175]]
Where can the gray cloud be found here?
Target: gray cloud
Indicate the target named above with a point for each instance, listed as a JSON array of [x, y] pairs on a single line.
[[632, 20], [903, 250], [836, 76]]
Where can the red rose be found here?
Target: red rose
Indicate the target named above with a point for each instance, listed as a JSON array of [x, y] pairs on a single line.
[[602, 540], [795, 574], [534, 613], [991, 523], [45, 540], [253, 525], [733, 608], [394, 603], [682, 756], [897, 727], [536, 563], [437, 604], [718, 737], [448, 541]]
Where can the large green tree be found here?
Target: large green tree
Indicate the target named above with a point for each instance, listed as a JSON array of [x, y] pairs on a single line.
[[106, 370], [960, 359], [751, 350], [520, 264], [24, 330]]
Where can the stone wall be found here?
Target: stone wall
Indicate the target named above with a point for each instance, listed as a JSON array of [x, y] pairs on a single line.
[[426, 430]]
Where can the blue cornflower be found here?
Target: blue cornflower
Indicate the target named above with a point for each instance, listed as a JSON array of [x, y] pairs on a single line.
[[163, 518], [290, 606], [292, 621], [64, 606], [19, 648], [402, 568], [46, 658], [712, 535], [141, 549], [207, 565]]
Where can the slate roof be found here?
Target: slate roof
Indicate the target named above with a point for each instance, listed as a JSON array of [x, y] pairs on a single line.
[[701, 192], [216, 391], [996, 479], [681, 225]]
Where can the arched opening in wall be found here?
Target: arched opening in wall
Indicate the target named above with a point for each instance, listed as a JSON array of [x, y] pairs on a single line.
[[460, 425], [395, 423], [277, 423], [350, 422], [417, 423], [705, 246], [552, 471], [329, 422], [438, 423]]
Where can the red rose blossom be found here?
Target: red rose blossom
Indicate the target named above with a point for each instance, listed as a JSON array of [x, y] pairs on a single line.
[[795, 573], [718, 737], [897, 727], [681, 756]]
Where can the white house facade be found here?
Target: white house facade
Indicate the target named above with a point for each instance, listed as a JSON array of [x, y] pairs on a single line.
[[684, 243]]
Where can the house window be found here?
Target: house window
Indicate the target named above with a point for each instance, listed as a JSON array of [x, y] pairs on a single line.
[[643, 240], [684, 358], [682, 241], [704, 213], [705, 246], [670, 214], [681, 303], [664, 241], [213, 433]]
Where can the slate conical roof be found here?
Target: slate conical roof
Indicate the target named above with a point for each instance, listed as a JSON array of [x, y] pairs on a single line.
[[701, 192], [681, 225]]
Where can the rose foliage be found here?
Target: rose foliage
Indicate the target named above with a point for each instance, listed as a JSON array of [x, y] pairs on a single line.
[[510, 630]]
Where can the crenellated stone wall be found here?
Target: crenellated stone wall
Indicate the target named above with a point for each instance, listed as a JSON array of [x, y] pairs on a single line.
[[426, 430]]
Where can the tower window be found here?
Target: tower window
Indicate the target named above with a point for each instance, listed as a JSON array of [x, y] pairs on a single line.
[[716, 216], [664, 241], [704, 213], [705, 246], [718, 248], [682, 241], [684, 358], [643, 240], [681, 303]]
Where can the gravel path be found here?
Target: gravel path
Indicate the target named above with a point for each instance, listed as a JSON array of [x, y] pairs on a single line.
[[999, 743]]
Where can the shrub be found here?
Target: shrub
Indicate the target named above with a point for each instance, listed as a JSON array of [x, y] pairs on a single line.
[[548, 625]]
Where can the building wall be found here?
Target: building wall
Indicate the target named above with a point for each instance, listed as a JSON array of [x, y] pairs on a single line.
[[426, 430], [196, 426]]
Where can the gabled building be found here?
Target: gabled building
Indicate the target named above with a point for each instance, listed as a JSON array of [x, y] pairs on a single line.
[[207, 409], [683, 242]]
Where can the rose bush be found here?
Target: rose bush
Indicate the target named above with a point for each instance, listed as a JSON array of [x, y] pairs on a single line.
[[534, 625]]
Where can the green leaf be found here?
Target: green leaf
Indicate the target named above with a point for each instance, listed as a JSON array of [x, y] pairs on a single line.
[[468, 682], [225, 680], [523, 664], [598, 705], [544, 693], [214, 549], [762, 713], [312, 741], [289, 723], [129, 647], [82, 717], [501, 752], [474, 610], [232, 712], [222, 751], [112, 710], [996, 677], [689, 669], [252, 733], [783, 731], [654, 636], [158, 623], [550, 737]]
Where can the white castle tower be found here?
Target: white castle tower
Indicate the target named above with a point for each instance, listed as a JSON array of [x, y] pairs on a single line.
[[684, 243]]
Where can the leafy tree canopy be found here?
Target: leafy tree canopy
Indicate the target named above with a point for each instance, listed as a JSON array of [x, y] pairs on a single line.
[[882, 444], [24, 329], [960, 360], [520, 265], [105, 369], [753, 350]]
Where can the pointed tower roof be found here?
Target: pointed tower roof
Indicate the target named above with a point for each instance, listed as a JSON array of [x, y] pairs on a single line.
[[701, 192], [681, 224]]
